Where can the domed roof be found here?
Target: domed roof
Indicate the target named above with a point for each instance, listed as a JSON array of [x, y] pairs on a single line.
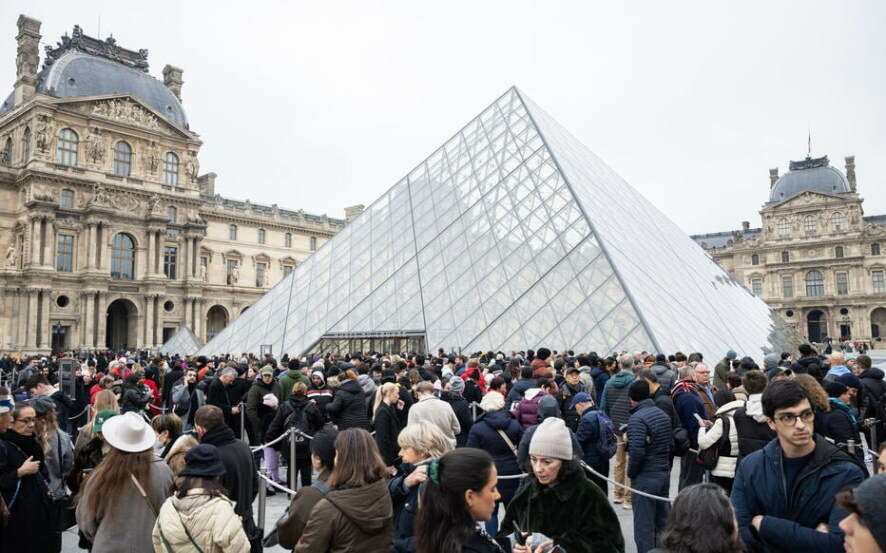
[[811, 174], [83, 66]]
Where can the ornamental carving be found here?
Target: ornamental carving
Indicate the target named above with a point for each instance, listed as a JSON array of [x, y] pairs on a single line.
[[95, 146], [151, 158], [125, 202], [99, 196], [124, 110], [43, 134], [192, 166]]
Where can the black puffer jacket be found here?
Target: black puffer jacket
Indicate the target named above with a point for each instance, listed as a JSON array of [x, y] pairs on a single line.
[[311, 423], [135, 398], [348, 407], [387, 428]]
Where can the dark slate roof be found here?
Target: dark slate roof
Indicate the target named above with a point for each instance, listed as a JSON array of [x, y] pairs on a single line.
[[876, 219], [269, 210], [84, 66], [811, 174], [717, 240]]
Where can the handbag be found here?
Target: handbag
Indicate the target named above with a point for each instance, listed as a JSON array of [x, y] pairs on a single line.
[[64, 507]]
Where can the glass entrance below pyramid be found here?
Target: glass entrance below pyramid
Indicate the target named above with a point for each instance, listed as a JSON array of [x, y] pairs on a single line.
[[344, 344]]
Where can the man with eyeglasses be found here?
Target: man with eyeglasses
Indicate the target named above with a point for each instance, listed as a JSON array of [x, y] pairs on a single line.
[[784, 493]]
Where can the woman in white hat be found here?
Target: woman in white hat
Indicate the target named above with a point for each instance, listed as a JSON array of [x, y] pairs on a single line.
[[119, 503]]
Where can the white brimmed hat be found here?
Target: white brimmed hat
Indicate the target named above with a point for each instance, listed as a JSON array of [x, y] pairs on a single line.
[[129, 432]]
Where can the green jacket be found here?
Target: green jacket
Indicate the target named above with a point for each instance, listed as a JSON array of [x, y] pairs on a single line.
[[574, 513], [287, 381], [720, 372]]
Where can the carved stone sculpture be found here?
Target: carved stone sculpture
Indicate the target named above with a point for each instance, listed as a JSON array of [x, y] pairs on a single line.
[[10, 256], [235, 275], [193, 167], [153, 203], [99, 195], [203, 272], [151, 158], [42, 134], [95, 146]]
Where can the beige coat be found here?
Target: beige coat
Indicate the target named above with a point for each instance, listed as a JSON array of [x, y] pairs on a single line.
[[210, 520], [438, 412]]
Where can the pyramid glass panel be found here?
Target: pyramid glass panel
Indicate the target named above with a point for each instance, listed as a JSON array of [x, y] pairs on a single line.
[[182, 343], [506, 238]]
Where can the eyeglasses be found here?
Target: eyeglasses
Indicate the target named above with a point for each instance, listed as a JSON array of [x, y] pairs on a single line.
[[790, 419], [29, 420]]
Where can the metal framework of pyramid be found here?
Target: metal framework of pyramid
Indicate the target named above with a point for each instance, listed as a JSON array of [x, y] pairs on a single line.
[[183, 342], [512, 235]]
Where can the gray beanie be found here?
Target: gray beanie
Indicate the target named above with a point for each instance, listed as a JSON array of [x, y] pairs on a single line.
[[870, 497], [456, 384], [771, 360], [552, 439]]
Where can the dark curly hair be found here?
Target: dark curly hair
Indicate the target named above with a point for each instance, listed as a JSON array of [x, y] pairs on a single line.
[[684, 533]]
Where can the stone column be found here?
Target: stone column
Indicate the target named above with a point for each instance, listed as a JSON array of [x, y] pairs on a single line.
[[32, 319], [48, 241], [89, 320], [194, 258], [5, 323], [46, 334], [21, 340], [198, 319], [185, 274], [149, 255], [102, 323], [188, 312], [149, 321], [35, 242]]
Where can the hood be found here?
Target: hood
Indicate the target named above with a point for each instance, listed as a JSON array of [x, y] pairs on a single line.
[[367, 507], [597, 371], [321, 375], [191, 504], [497, 420], [875, 373], [296, 402], [548, 407], [731, 406], [532, 392], [621, 379], [351, 387], [839, 369], [367, 384], [584, 369], [754, 407], [293, 373], [660, 369]]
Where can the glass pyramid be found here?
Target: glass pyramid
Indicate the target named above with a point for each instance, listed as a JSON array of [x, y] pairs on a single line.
[[182, 343], [512, 235]]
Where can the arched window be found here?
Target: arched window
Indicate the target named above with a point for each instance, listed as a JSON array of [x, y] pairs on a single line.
[[809, 224], [838, 252], [170, 169], [785, 257], [755, 259], [172, 214], [122, 159], [66, 148], [7, 153], [123, 257], [875, 249], [814, 284], [838, 222], [66, 199], [287, 240], [784, 227], [232, 232], [26, 145], [261, 236]]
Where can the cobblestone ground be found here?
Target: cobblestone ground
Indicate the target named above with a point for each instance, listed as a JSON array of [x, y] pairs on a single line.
[[277, 504]]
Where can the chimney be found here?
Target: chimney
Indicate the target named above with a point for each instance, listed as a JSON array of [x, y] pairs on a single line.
[[353, 212], [207, 184], [172, 78], [27, 59], [745, 225], [773, 176], [850, 172]]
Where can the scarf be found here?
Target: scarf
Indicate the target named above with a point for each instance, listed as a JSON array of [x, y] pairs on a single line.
[[843, 406], [684, 386]]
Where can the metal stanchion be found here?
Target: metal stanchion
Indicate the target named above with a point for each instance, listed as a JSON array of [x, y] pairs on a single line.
[[850, 445], [292, 472], [242, 414], [474, 410], [262, 500]]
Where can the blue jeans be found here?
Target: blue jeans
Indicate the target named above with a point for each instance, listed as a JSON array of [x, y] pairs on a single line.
[[650, 515]]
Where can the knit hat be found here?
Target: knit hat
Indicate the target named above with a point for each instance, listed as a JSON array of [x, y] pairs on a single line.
[[101, 417], [203, 461], [581, 397], [320, 374], [548, 407], [267, 369], [457, 385], [870, 497], [849, 380], [731, 354], [771, 360], [552, 439], [7, 404], [834, 388], [492, 401]]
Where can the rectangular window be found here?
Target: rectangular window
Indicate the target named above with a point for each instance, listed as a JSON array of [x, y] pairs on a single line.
[[261, 273], [66, 199], [64, 253], [313, 243], [232, 232], [878, 281], [287, 241], [261, 236], [787, 286], [757, 286], [287, 270], [170, 257], [842, 284]]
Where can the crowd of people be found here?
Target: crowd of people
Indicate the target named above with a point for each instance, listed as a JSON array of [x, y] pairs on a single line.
[[445, 453]]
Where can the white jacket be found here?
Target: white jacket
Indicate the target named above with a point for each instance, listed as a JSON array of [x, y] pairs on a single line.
[[707, 437], [210, 520]]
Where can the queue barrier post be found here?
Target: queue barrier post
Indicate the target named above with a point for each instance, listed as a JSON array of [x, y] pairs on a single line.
[[292, 472], [262, 502], [242, 414]]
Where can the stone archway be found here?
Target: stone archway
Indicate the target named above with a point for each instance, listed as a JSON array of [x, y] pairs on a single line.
[[122, 325], [816, 325], [216, 320], [878, 322]]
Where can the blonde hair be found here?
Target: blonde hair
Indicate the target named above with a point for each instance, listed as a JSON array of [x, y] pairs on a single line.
[[425, 438], [106, 399], [380, 394]]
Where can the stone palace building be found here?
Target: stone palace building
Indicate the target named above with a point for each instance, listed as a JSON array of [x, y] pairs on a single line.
[[110, 236], [817, 259]]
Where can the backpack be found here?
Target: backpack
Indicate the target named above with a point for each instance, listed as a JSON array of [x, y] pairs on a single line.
[[607, 441], [296, 420], [709, 457]]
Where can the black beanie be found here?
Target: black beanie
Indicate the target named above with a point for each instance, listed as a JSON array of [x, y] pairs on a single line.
[[294, 365], [323, 446]]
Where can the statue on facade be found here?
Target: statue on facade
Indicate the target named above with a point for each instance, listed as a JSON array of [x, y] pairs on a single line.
[[95, 146], [99, 195], [151, 158], [42, 134], [203, 272], [235, 274], [193, 167], [10, 256], [153, 203]]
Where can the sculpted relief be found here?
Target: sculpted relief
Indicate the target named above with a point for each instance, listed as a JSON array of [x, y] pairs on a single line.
[[124, 110], [95, 146]]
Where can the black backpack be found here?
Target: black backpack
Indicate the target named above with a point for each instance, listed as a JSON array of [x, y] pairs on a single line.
[[296, 420], [709, 457]]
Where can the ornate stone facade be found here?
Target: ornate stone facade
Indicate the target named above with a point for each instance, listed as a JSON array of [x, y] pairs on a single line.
[[111, 236], [817, 258]]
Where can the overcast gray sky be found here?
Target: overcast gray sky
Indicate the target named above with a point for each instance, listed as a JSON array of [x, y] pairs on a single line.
[[319, 105]]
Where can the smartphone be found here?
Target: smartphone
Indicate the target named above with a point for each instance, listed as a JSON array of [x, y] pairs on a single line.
[[518, 535], [698, 418]]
